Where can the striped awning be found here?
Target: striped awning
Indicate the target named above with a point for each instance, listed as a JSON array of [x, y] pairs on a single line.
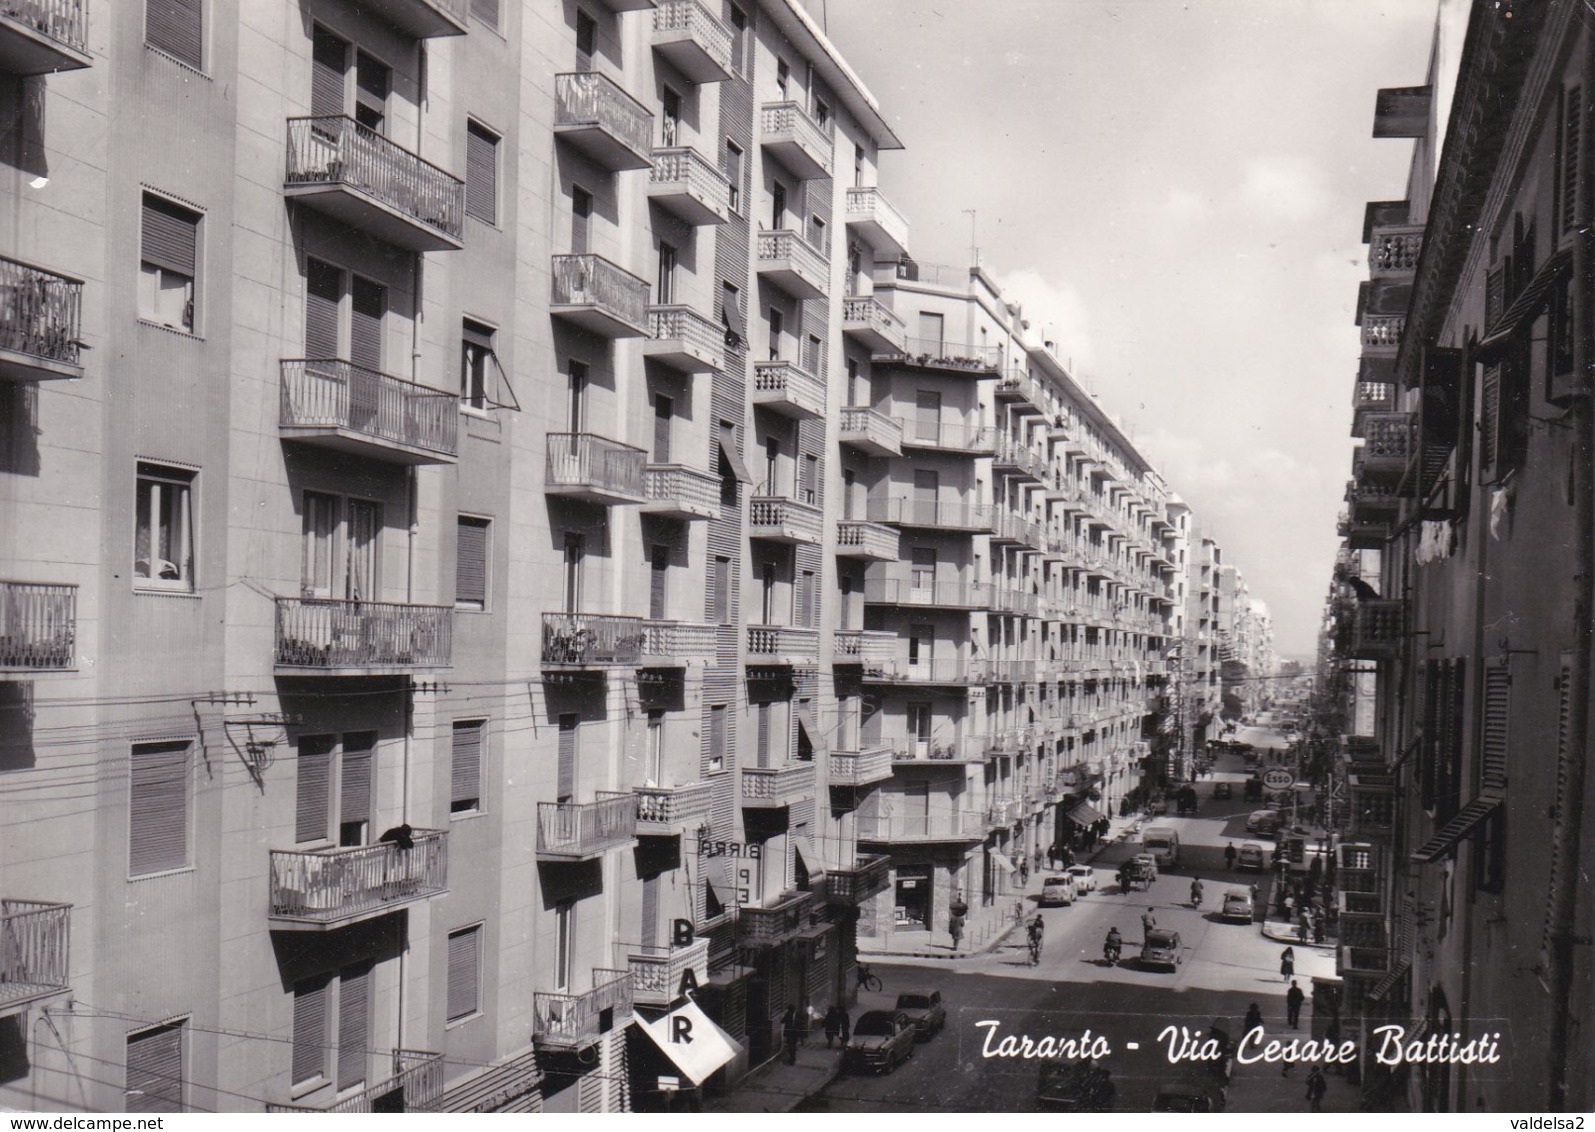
[[1084, 814]]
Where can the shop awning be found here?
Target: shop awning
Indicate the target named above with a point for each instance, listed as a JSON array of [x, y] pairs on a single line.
[[1467, 819], [691, 1040], [1003, 861], [1084, 814]]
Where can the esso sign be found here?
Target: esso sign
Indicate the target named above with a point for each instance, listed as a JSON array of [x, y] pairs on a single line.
[[1278, 779]]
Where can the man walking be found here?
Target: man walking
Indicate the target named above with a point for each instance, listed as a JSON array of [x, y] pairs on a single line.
[[1316, 1087], [1148, 923], [1229, 856], [1293, 1000]]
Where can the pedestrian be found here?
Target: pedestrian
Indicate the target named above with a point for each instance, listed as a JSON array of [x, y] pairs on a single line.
[[847, 1023], [789, 1034], [1287, 963], [1148, 923], [1293, 1000], [833, 1024], [1230, 853], [1024, 871], [1303, 925], [1316, 1088], [1254, 1018], [1318, 928], [955, 927]]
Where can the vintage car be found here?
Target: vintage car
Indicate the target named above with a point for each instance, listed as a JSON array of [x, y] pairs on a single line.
[[1085, 877], [882, 1040], [925, 1010], [1237, 905], [1075, 1086], [1161, 949]]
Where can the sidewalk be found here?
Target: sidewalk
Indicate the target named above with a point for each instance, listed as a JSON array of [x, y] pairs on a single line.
[[776, 1086]]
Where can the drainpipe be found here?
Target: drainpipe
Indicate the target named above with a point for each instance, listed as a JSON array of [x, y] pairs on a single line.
[[1567, 826]]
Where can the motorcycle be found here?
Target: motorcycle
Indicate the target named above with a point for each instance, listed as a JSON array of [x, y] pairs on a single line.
[[1110, 952]]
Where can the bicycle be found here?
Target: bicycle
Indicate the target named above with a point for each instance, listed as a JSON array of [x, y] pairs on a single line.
[[867, 979], [1035, 951]]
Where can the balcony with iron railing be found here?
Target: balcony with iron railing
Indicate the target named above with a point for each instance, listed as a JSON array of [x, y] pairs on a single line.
[[372, 184], [898, 829], [324, 889], [776, 922], [40, 37], [785, 388], [684, 340], [599, 296], [594, 469], [947, 671], [579, 831], [41, 323], [694, 41], [783, 645], [1394, 251], [857, 538], [1011, 528], [871, 432], [1378, 628], [595, 115], [776, 518], [566, 1022], [861, 767], [686, 183], [796, 140], [953, 749], [948, 436], [930, 514], [935, 353], [347, 408], [938, 595], [679, 492], [868, 647], [1372, 502], [1022, 391], [1017, 460], [415, 1085], [864, 876], [38, 626], [877, 219], [777, 787], [35, 952], [873, 324], [657, 972], [340, 637], [793, 264], [671, 811]]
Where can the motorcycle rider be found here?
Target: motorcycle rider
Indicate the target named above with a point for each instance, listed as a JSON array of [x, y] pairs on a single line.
[[1113, 945], [1196, 893]]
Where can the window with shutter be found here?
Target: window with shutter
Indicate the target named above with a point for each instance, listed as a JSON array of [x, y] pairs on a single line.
[[465, 767], [566, 785], [717, 738], [1571, 147], [581, 209], [168, 263], [155, 1069], [323, 301], [367, 303], [464, 987], [177, 28], [1494, 296], [763, 733], [329, 62], [650, 911], [354, 788], [354, 1025], [722, 591], [481, 173], [487, 11], [1432, 716], [159, 795], [477, 355], [1489, 420], [658, 574], [1493, 741], [372, 81], [310, 1029], [664, 412], [470, 565], [313, 788]]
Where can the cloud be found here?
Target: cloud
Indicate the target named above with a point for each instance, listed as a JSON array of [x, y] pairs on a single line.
[[1183, 204], [1055, 313], [1289, 188]]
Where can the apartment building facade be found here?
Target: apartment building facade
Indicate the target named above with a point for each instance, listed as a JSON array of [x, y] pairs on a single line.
[[1457, 627]]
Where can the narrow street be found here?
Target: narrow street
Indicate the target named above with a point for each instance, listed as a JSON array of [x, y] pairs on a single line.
[[1226, 966]]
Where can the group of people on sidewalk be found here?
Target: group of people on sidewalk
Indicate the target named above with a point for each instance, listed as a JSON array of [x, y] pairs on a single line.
[[838, 1024]]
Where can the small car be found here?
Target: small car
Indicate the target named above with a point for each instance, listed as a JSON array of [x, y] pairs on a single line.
[[1074, 1086], [1252, 856], [1237, 905], [1223, 791], [1161, 949], [1085, 877], [882, 1040], [1058, 890], [1189, 1096], [1263, 821], [1148, 864], [925, 1010], [1157, 807]]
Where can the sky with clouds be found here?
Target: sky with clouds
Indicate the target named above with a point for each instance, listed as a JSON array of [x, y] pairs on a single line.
[[1174, 189]]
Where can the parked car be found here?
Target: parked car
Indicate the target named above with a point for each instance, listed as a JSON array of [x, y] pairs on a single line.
[[881, 1041], [1075, 1086], [1192, 1095], [1157, 807], [1085, 877], [1147, 862], [1223, 791], [1252, 856], [1263, 821], [1161, 949], [925, 1010], [1058, 890], [1237, 905]]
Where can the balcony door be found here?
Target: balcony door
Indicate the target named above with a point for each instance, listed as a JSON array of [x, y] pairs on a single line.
[[927, 415], [927, 485], [921, 648], [334, 792], [331, 93], [777, 206], [669, 118], [341, 555], [919, 729], [932, 334], [767, 594], [665, 292], [922, 575], [575, 552], [664, 413]]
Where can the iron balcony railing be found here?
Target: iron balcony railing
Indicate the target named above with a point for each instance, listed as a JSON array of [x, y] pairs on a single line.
[[859, 768], [565, 1021], [38, 625], [683, 488], [951, 435], [588, 280], [777, 516], [416, 1084], [783, 644], [940, 354], [851, 884], [656, 972], [928, 513], [332, 633], [968, 748], [785, 250], [328, 886], [780, 921], [959, 825], [334, 394], [689, 16], [588, 640], [1014, 528], [335, 149], [868, 205], [585, 461], [590, 99], [868, 313], [859, 538], [64, 21], [41, 314], [585, 829], [697, 334], [788, 122], [949, 595], [1009, 454], [1018, 385], [781, 383], [945, 670], [875, 429], [777, 785], [672, 808], [35, 950]]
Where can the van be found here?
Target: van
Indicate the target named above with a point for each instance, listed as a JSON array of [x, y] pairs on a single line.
[[1058, 890], [1163, 843]]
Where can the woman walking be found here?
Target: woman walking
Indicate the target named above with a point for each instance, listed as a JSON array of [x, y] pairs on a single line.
[[1287, 964]]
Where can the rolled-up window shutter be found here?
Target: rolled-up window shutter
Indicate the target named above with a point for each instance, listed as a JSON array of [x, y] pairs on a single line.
[[323, 295], [464, 951], [155, 1070], [365, 323], [354, 1025], [567, 757], [481, 173], [329, 59], [650, 911], [486, 11], [158, 819], [175, 27], [314, 789], [465, 771], [169, 235], [354, 792], [470, 574], [310, 1030]]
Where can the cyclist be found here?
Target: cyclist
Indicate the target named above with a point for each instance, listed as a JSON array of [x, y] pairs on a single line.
[[1035, 930], [866, 978], [1148, 923], [1113, 945]]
